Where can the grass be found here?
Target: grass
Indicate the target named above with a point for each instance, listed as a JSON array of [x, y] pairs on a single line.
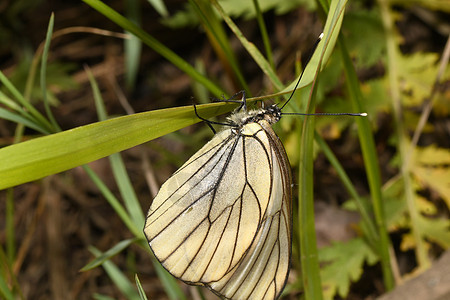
[[54, 151]]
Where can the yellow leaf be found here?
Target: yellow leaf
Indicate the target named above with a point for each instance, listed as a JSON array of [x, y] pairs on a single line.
[[431, 168]]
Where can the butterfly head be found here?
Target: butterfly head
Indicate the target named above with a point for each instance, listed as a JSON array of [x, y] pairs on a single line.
[[272, 114]]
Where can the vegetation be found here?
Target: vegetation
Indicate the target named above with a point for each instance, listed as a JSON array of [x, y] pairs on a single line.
[[395, 181]]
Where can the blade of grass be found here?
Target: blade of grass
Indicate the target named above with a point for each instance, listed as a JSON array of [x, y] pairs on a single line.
[[218, 39], [37, 158], [370, 163], [308, 245], [9, 227], [140, 288], [154, 44], [365, 215], [119, 171], [264, 34], [126, 190], [114, 203], [5, 293], [119, 247], [116, 275], [9, 286], [43, 78], [132, 46], [169, 282], [8, 102], [159, 6], [250, 47], [33, 114], [7, 115]]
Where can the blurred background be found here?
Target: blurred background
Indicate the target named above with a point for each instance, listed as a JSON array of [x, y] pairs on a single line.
[[49, 226]]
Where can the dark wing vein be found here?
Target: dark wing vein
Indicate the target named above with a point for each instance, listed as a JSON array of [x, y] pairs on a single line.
[[262, 273], [220, 146]]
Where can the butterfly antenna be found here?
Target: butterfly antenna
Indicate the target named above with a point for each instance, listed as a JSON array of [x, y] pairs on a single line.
[[327, 114], [203, 119], [306, 64]]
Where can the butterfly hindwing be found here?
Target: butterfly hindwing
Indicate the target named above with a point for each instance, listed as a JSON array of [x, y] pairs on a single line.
[[263, 272]]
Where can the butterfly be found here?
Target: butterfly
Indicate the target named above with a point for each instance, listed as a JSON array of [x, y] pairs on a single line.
[[224, 219]]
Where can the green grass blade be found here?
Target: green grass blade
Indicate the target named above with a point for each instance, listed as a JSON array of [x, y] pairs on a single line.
[[126, 190], [9, 227], [365, 215], [371, 163], [264, 34], [250, 47], [219, 40], [120, 174], [34, 115], [168, 281], [48, 39], [8, 102], [119, 247], [308, 244], [140, 288], [132, 46], [5, 292], [61, 151], [119, 279], [114, 202], [7, 115], [159, 6], [98, 100], [9, 286], [154, 44]]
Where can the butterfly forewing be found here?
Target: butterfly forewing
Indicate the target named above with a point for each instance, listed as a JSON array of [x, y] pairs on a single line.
[[223, 220]]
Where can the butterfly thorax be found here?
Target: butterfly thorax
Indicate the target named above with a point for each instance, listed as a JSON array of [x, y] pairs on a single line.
[[272, 114]]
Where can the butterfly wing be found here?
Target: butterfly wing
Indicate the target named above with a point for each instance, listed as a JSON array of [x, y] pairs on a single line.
[[263, 272], [223, 219]]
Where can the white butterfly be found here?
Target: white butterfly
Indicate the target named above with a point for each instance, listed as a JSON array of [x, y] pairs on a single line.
[[224, 219]]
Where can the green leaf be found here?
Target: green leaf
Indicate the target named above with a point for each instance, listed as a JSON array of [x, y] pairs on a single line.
[[119, 247], [344, 264], [58, 152], [436, 230], [431, 167], [418, 74], [365, 23]]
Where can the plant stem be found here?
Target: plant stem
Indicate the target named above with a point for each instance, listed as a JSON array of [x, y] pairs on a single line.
[[371, 164]]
